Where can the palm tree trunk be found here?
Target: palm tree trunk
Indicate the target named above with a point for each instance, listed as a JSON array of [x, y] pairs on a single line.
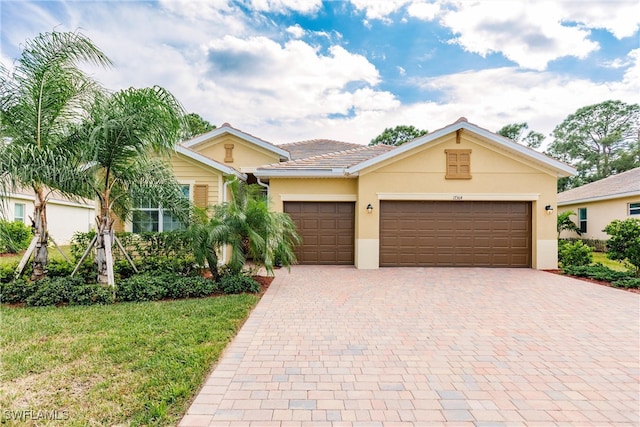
[[105, 228], [41, 252]]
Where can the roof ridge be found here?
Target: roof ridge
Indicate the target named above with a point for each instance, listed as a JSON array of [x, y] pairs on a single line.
[[307, 141]]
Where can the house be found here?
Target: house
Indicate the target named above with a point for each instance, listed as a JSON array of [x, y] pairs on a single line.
[[598, 203], [459, 196], [65, 217]]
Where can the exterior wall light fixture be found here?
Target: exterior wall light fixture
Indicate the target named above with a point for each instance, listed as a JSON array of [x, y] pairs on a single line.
[[548, 209], [369, 208]]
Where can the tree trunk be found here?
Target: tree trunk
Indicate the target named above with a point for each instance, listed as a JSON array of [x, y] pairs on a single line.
[[41, 252], [105, 227]]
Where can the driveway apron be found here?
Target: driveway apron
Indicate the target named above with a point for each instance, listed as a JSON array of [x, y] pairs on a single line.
[[336, 346]]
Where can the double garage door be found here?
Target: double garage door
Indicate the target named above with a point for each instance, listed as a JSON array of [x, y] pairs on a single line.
[[419, 233]]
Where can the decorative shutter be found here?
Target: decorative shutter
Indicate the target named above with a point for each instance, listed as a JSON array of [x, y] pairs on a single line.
[[201, 195], [458, 164]]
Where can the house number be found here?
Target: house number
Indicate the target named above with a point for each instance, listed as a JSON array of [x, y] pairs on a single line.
[[457, 197]]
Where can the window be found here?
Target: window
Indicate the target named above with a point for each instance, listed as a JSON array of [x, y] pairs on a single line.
[[18, 212], [634, 209], [582, 219], [149, 216], [458, 164]]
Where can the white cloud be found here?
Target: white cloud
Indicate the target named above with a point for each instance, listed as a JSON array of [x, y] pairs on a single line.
[[620, 17], [424, 11], [285, 6], [530, 34], [379, 9], [296, 31]]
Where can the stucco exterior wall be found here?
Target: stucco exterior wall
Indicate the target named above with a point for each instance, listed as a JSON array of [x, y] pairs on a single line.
[[599, 215], [64, 217], [190, 172], [246, 156], [420, 175]]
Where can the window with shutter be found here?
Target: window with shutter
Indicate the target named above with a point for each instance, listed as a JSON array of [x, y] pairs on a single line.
[[458, 164], [201, 195]]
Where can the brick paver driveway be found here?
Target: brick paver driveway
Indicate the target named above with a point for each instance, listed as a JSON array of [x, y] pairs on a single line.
[[336, 346]]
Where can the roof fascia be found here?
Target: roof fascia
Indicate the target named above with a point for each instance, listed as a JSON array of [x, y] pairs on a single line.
[[599, 198], [211, 163], [303, 173], [561, 168], [232, 131]]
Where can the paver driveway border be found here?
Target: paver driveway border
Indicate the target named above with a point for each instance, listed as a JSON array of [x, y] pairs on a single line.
[[336, 346]]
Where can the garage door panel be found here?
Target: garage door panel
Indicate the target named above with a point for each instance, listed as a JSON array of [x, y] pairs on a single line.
[[455, 233], [327, 231]]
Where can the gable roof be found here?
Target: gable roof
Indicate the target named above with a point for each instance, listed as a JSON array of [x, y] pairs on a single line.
[[324, 165], [562, 169], [624, 184], [315, 147], [226, 128], [209, 162]]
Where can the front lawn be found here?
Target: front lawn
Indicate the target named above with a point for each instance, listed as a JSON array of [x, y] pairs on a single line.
[[601, 257], [121, 364]]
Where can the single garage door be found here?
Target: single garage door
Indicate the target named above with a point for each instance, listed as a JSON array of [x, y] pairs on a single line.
[[439, 233], [327, 231]]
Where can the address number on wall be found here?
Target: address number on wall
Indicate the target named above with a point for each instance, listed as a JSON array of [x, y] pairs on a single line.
[[457, 197]]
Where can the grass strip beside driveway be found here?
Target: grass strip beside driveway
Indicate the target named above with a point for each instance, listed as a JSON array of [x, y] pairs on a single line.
[[122, 364]]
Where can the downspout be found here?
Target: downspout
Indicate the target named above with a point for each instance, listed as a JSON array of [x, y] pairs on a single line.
[[262, 184], [224, 200]]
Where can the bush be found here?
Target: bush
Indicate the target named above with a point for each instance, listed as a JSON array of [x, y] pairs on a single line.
[[574, 254], [54, 291], [624, 244], [7, 271], [14, 236], [597, 272], [141, 287], [631, 283], [90, 294], [17, 291], [189, 287], [238, 283], [59, 268]]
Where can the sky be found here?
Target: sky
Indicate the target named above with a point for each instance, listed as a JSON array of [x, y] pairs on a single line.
[[291, 70]]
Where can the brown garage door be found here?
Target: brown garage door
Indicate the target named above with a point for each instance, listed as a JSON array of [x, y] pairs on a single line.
[[327, 231], [478, 234]]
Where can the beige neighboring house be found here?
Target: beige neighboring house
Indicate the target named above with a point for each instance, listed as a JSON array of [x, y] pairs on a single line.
[[598, 203], [64, 217], [459, 196]]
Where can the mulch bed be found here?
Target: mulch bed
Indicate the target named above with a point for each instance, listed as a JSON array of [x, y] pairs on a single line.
[[594, 281]]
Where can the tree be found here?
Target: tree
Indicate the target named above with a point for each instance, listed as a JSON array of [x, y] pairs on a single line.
[[398, 135], [565, 223], [598, 139], [125, 138], [196, 125], [40, 98], [515, 132], [247, 226], [624, 244]]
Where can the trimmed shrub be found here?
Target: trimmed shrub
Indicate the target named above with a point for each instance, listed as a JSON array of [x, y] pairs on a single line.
[[238, 283], [59, 268], [54, 291], [597, 272], [90, 295], [624, 244], [189, 287], [7, 271], [141, 287], [631, 283], [574, 254], [14, 236], [17, 291]]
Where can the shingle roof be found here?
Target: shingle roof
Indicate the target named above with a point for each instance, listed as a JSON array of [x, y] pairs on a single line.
[[620, 185], [315, 147], [336, 160]]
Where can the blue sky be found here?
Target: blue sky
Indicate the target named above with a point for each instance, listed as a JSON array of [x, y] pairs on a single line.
[[288, 70]]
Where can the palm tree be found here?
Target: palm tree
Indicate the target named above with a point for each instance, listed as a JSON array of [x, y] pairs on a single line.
[[565, 223], [40, 98], [247, 226], [125, 140]]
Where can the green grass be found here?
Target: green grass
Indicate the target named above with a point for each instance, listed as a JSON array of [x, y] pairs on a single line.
[[601, 257], [122, 364], [53, 254]]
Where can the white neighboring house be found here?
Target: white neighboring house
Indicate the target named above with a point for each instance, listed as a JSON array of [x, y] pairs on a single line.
[[64, 217]]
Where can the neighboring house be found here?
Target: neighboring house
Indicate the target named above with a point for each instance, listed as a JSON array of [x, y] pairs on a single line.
[[598, 203], [64, 217], [459, 196]]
